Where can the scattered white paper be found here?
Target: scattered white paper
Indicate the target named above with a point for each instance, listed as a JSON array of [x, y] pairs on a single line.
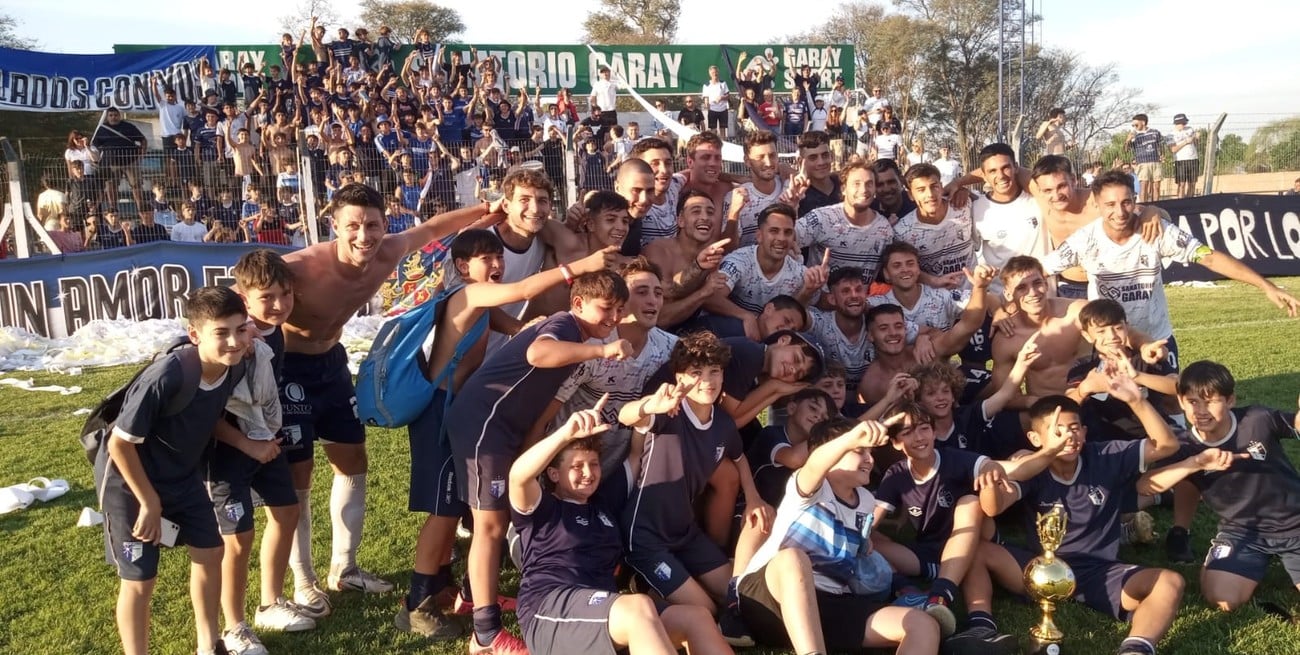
[[30, 385]]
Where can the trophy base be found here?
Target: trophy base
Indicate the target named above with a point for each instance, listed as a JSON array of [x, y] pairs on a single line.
[[1038, 646]]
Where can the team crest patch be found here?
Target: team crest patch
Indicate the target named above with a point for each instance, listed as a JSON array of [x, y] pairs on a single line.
[[914, 510], [604, 519], [1219, 550], [859, 520], [234, 511], [962, 442], [717, 454], [132, 551], [1096, 496], [663, 571], [945, 499], [291, 434], [497, 487], [597, 597], [1257, 451]]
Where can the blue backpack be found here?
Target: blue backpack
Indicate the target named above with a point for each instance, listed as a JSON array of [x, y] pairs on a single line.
[[392, 387]]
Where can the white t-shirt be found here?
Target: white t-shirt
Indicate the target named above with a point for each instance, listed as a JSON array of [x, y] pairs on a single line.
[[172, 118], [947, 246], [1187, 152], [606, 93], [850, 245], [750, 289], [949, 169], [82, 155], [818, 118], [875, 108], [1128, 273], [715, 94], [888, 145], [189, 233], [1007, 229], [758, 201], [661, 220], [839, 99], [825, 507], [914, 158]]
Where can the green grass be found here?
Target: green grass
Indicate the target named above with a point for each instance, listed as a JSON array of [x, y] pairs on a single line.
[[57, 594]]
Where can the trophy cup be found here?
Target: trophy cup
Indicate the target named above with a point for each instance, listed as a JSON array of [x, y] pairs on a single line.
[[1049, 580]]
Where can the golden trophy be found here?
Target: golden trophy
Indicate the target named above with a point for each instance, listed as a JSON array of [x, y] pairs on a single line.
[[1049, 580]]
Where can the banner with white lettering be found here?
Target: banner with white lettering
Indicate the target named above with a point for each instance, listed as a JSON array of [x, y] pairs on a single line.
[[1262, 231], [54, 296], [50, 82]]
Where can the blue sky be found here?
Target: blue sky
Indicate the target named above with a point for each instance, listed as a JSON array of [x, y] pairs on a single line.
[[1192, 56]]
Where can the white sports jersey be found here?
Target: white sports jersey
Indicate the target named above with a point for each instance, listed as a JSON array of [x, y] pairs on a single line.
[[661, 220], [854, 352], [1007, 229], [1128, 273], [850, 245], [946, 247], [757, 202], [622, 380], [751, 289], [935, 308]]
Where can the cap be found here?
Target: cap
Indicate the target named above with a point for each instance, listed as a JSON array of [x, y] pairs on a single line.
[[818, 357], [514, 148], [1180, 118], [839, 78]]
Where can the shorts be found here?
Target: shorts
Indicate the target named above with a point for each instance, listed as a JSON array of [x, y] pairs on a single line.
[[482, 460], [843, 616], [1071, 289], [666, 568], [237, 483], [319, 402], [185, 504], [977, 377], [1247, 554], [1172, 345], [716, 120], [1005, 437], [433, 475], [573, 620], [1186, 171], [928, 554], [608, 117], [1148, 172], [1099, 583], [979, 350]]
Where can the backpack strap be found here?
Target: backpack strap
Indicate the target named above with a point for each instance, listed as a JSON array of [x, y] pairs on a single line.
[[467, 340], [192, 377]]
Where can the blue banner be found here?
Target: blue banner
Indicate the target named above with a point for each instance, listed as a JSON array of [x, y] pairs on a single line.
[[49, 82], [53, 296], [1262, 231]]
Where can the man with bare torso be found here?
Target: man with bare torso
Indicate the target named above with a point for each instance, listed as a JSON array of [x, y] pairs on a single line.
[[317, 393], [689, 257], [1060, 341]]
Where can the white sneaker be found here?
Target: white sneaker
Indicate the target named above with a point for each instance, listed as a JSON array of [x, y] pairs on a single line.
[[312, 601], [240, 640], [283, 616], [354, 579]]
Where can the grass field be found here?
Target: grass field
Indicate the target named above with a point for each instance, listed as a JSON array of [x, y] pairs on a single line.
[[57, 595]]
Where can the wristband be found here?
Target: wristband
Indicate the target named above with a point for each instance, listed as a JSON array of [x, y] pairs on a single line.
[[568, 274]]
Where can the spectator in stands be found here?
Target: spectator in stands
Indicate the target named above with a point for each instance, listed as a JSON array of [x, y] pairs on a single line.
[[79, 150], [1295, 188], [189, 230], [887, 117], [107, 234], [67, 239], [121, 144], [717, 97], [1146, 143], [887, 144], [604, 94], [875, 105], [171, 114], [1052, 132], [51, 203], [148, 230], [1182, 142], [795, 111], [949, 168]]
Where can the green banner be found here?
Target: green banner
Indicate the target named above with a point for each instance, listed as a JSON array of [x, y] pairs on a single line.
[[651, 70]]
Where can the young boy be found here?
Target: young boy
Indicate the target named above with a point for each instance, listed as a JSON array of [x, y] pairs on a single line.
[[1105, 326], [478, 257], [246, 466], [686, 436], [834, 381], [1090, 480], [568, 598], [153, 476], [781, 449], [796, 590], [496, 408], [1236, 459]]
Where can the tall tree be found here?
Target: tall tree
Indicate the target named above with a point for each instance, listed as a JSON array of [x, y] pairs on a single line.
[[299, 18], [407, 17], [632, 22], [9, 37]]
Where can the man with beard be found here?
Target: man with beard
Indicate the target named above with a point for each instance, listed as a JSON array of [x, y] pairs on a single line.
[[765, 186], [941, 233], [319, 401], [842, 331], [693, 254], [892, 199], [823, 188], [850, 232], [703, 173], [756, 274], [660, 219]]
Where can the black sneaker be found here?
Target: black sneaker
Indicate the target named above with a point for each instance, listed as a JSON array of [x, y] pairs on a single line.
[[979, 641], [1178, 546], [733, 628]]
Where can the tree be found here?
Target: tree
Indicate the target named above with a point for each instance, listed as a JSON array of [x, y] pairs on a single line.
[[1275, 147], [632, 22], [299, 19], [9, 35], [407, 17]]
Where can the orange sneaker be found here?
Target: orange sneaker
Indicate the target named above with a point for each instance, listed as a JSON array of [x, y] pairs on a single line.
[[502, 644]]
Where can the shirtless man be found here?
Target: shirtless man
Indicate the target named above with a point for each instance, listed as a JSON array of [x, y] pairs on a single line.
[[318, 398], [1055, 320], [660, 218], [689, 258]]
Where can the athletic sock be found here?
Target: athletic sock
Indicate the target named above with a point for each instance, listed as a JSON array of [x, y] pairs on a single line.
[[944, 589], [487, 623], [982, 620], [304, 575], [1138, 644], [421, 588], [347, 516]]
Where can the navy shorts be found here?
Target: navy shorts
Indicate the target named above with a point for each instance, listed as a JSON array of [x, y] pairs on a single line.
[[573, 620], [319, 402], [716, 119], [1248, 554], [482, 458], [184, 504], [979, 350], [1099, 583], [928, 554], [977, 377], [1071, 289], [237, 483], [433, 475], [666, 568], [843, 616], [1172, 345]]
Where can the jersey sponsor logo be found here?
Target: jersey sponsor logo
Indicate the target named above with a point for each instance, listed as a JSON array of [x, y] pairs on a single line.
[[945, 499], [294, 392], [604, 519], [1128, 292], [132, 551], [597, 597], [497, 487], [663, 571], [234, 511], [1096, 495], [582, 520], [1257, 451], [914, 511]]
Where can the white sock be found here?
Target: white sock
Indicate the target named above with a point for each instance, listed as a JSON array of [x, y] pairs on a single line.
[[304, 575], [347, 516]]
